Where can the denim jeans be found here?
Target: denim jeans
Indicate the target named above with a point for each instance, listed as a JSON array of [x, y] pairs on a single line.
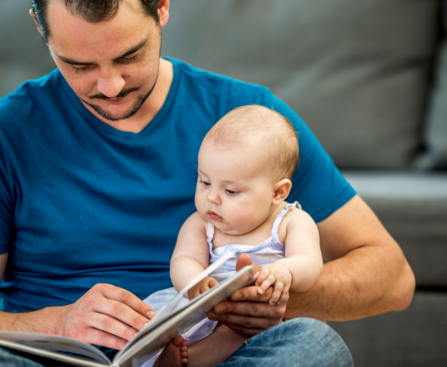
[[299, 342]]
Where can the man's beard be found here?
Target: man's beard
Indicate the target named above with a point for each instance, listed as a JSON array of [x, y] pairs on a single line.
[[130, 112]]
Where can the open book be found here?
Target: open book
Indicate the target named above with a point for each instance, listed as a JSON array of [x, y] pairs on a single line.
[[175, 318]]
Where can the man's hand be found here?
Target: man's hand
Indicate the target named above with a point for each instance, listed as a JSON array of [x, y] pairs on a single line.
[[105, 315], [248, 312]]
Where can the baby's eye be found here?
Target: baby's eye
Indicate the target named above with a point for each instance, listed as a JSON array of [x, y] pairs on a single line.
[[231, 192], [205, 183]]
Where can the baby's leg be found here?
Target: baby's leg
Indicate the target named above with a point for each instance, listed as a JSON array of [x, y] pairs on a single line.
[[216, 348], [174, 355]]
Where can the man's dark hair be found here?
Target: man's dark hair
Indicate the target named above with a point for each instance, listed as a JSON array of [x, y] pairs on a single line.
[[93, 11]]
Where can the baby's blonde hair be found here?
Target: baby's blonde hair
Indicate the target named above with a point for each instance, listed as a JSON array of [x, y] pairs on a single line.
[[264, 129]]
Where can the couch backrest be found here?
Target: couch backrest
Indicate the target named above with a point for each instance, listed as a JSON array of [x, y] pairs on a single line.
[[435, 128], [23, 54], [356, 71]]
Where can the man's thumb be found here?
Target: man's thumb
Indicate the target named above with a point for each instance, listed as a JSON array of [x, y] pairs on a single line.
[[245, 260]]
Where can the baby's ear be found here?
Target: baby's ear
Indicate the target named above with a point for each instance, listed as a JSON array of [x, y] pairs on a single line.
[[281, 191]]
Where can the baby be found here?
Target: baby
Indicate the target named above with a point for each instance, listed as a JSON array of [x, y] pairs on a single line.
[[246, 162]]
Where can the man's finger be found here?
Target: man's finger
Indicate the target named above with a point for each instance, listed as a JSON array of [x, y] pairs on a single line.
[[122, 313], [251, 309], [112, 326], [245, 260], [98, 337], [244, 322], [123, 296]]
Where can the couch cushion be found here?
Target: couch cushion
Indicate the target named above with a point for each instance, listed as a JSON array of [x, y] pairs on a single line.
[[413, 208], [412, 338], [356, 71], [435, 132], [24, 55]]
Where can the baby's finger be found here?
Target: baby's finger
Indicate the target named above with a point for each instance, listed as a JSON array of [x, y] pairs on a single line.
[[275, 297], [263, 275], [285, 294], [283, 297], [276, 293], [267, 283]]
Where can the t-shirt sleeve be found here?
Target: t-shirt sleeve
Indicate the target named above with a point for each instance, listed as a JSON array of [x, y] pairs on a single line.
[[317, 184], [6, 216]]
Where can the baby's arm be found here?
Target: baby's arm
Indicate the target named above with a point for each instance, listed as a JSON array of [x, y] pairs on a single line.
[[302, 266], [191, 254]]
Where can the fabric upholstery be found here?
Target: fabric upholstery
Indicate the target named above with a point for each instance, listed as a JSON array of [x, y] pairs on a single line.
[[356, 71], [413, 208], [23, 54], [412, 338], [435, 129]]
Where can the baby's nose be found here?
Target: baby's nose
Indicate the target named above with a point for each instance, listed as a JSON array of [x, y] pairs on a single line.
[[213, 197]]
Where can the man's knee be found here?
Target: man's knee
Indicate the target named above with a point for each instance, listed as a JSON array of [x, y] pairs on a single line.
[[302, 342]]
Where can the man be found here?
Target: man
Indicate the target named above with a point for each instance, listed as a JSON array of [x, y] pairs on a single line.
[[97, 174]]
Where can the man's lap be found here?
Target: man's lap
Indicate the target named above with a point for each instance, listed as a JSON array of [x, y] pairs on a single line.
[[300, 342]]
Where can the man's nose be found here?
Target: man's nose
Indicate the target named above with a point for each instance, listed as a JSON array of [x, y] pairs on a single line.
[[110, 82], [214, 197]]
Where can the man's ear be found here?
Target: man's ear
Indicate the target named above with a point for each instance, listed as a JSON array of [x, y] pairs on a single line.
[[163, 12], [281, 191], [33, 15]]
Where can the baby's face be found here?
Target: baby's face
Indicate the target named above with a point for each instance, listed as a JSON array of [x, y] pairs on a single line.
[[232, 193]]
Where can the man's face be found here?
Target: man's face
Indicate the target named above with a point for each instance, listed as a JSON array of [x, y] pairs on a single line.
[[112, 65]]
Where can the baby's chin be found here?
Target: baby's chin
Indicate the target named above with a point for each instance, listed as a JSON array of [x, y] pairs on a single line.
[[230, 231], [223, 226]]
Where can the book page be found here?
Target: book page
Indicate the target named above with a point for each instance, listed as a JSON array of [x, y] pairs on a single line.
[[181, 320], [175, 304], [56, 344]]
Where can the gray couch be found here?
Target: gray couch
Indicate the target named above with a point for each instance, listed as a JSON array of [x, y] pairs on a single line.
[[370, 78]]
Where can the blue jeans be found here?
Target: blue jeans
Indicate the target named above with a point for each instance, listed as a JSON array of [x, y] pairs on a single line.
[[300, 342]]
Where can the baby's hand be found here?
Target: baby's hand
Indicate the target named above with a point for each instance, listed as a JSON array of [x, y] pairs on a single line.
[[202, 287], [279, 276]]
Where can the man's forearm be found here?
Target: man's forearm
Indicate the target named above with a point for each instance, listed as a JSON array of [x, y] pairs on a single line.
[[44, 321], [367, 281]]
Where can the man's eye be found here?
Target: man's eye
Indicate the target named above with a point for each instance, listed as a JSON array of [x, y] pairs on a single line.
[[81, 69], [129, 60], [231, 192]]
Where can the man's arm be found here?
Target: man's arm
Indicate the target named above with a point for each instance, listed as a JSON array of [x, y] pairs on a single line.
[[367, 274], [105, 315]]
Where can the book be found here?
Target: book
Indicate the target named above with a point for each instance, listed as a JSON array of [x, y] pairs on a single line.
[[175, 318]]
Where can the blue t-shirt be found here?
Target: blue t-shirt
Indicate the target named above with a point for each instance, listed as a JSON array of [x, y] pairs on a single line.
[[83, 203]]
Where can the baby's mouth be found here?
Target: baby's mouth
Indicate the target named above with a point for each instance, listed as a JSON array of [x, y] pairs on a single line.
[[214, 216]]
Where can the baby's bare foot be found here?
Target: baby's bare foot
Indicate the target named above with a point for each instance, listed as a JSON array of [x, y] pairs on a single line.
[[174, 355]]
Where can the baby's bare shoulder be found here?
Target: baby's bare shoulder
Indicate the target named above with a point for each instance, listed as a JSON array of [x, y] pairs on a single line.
[[295, 215], [296, 219], [195, 221]]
